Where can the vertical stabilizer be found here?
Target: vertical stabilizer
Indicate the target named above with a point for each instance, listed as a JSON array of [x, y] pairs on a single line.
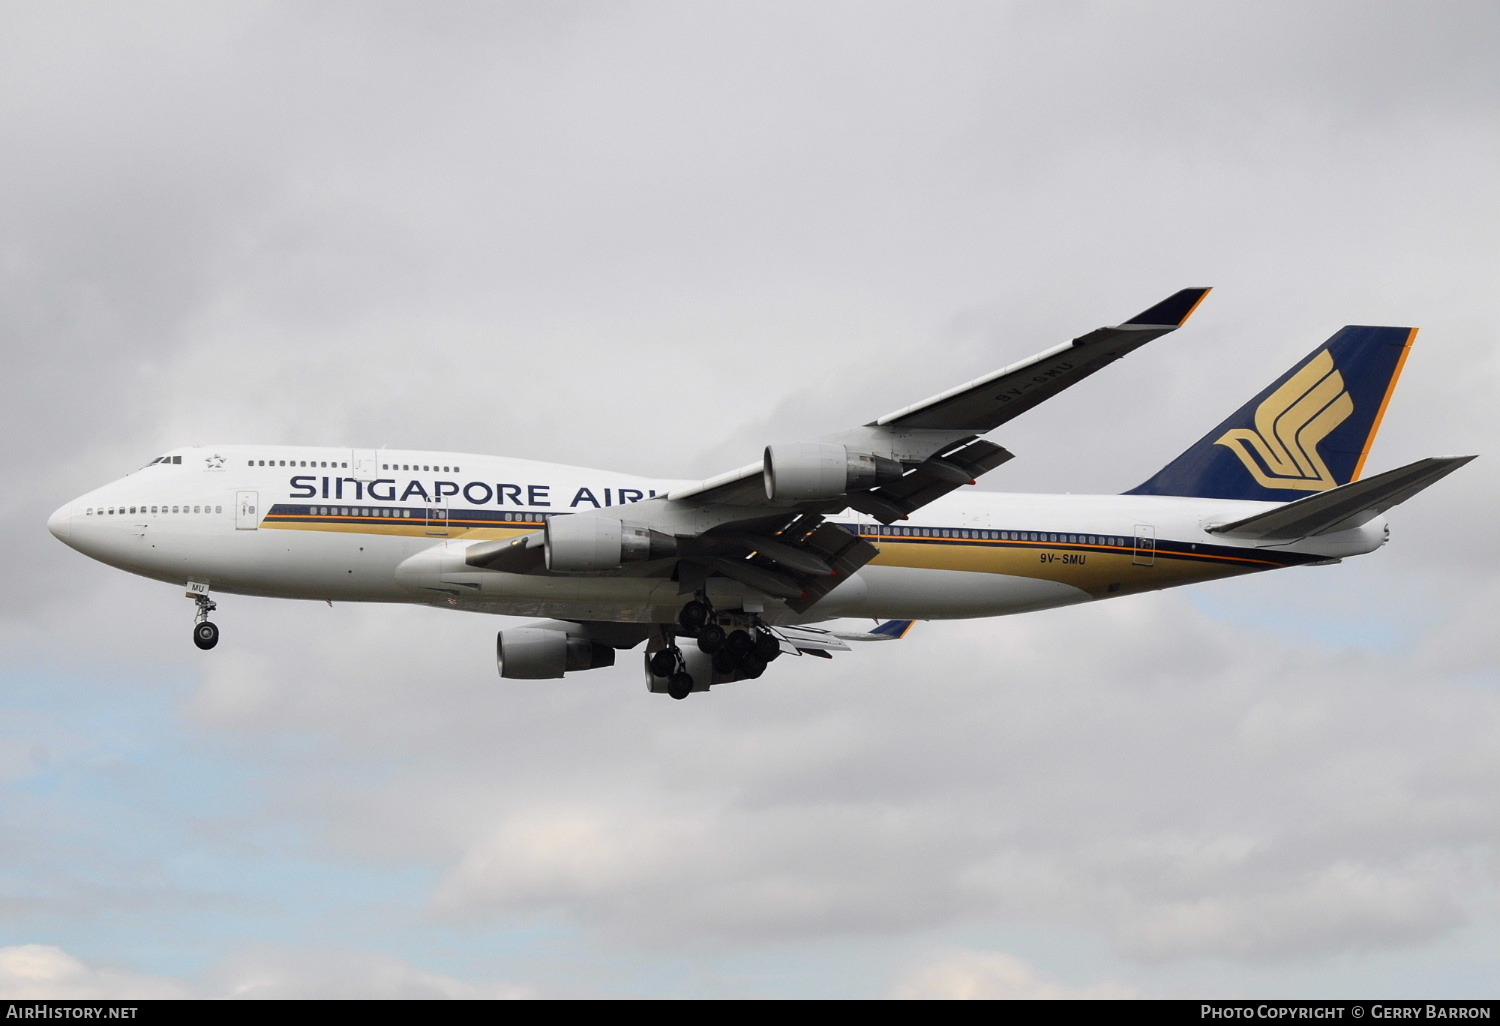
[[1309, 431]]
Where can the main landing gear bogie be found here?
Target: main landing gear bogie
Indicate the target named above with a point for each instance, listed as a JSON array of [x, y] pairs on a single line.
[[668, 663], [739, 646]]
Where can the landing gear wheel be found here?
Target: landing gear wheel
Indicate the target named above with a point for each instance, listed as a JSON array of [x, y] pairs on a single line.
[[680, 686], [710, 638], [766, 646], [724, 662], [693, 616], [664, 662], [205, 635], [752, 666], [740, 643]]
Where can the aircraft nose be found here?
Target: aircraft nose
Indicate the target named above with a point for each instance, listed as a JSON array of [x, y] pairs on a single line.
[[60, 523]]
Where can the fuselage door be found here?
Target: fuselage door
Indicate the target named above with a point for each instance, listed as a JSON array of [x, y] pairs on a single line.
[[246, 511], [365, 464], [1145, 545], [437, 520]]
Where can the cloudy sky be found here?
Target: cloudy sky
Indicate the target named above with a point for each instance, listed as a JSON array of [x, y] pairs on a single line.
[[653, 237]]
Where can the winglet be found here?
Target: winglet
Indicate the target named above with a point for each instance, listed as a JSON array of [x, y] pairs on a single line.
[[1174, 310], [894, 629]]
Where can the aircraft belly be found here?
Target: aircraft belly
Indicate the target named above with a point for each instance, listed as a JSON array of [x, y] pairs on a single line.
[[887, 592], [284, 564], [884, 592]]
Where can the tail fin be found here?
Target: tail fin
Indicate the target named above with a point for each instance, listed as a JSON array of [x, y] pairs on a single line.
[[1309, 431]]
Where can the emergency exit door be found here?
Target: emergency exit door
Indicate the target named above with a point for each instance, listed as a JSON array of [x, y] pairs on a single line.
[[1145, 545], [246, 510]]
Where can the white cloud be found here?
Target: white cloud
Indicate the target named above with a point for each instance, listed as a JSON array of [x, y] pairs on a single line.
[[962, 974], [41, 972], [1293, 801], [269, 974], [46, 972]]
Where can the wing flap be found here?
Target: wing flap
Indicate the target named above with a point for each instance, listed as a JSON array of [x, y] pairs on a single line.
[[930, 480], [841, 549]]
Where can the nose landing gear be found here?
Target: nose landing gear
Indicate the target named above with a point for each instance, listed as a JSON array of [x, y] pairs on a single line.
[[205, 633]]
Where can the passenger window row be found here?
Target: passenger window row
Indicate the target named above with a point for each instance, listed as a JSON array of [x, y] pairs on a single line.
[[399, 513], [359, 511], [1034, 536], [110, 511], [330, 464]]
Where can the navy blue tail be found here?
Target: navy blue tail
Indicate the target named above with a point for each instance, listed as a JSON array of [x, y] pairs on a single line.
[[1309, 431]]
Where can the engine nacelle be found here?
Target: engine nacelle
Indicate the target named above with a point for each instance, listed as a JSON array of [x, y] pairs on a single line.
[[537, 653], [823, 470], [580, 544]]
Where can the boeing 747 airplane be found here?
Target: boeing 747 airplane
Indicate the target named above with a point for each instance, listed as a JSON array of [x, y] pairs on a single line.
[[866, 523]]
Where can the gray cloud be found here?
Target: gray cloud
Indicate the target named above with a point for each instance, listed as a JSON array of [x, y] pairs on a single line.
[[1292, 803]]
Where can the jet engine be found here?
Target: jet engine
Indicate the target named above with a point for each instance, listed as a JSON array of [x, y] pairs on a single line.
[[537, 653], [823, 470], [580, 544]]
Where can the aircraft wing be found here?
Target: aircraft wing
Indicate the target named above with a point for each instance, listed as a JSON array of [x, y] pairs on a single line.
[[985, 403], [765, 524], [944, 425]]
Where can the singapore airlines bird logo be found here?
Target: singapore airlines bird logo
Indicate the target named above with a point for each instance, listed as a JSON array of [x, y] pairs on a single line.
[[1282, 450]]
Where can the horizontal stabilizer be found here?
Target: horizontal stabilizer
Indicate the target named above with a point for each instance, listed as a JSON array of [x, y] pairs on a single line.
[[823, 642], [1345, 507], [812, 641]]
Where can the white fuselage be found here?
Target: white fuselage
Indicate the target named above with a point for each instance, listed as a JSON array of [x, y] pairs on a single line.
[[392, 526]]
